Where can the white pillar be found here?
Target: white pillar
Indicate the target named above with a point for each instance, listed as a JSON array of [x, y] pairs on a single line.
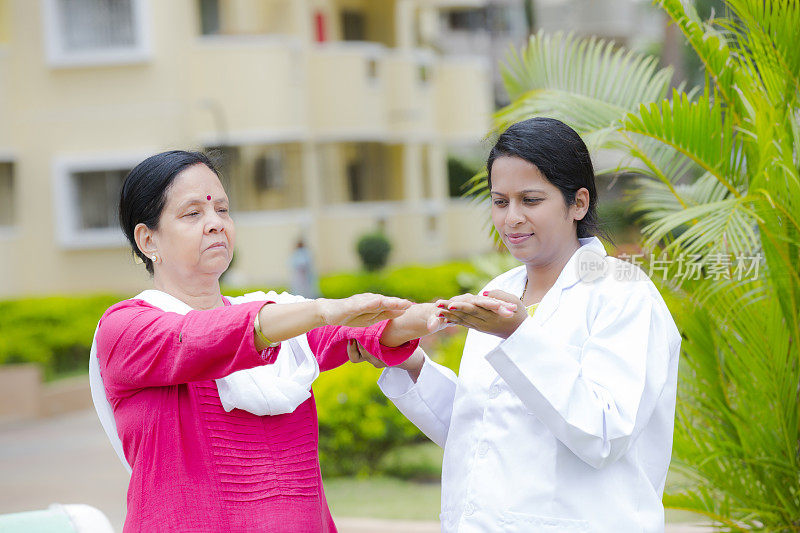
[[312, 184], [303, 20], [437, 172], [412, 173], [404, 24]]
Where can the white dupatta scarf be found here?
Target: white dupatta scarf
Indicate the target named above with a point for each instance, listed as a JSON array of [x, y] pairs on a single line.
[[273, 389]]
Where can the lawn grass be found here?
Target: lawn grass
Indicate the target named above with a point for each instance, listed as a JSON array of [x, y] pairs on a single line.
[[393, 498], [383, 497]]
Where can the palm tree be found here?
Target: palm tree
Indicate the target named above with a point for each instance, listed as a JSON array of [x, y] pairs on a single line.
[[720, 183]]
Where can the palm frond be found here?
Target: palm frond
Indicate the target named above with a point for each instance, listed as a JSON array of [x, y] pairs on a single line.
[[710, 44], [587, 83], [719, 227], [699, 130]]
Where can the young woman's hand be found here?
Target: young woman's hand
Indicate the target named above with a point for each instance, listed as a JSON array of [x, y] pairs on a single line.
[[360, 310], [495, 312]]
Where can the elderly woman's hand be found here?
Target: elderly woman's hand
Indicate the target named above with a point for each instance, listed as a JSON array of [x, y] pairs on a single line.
[[358, 354], [360, 310], [413, 365], [495, 312], [278, 322]]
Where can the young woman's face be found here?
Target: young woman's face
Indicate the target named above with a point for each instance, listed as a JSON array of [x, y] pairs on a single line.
[[195, 234], [530, 214]]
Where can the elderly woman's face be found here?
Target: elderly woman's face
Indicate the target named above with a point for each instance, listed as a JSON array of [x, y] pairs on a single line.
[[195, 234]]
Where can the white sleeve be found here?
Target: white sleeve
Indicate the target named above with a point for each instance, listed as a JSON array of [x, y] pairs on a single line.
[[595, 398], [428, 403]]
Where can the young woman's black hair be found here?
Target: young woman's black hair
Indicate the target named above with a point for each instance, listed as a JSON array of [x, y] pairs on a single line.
[[560, 154], [144, 192]]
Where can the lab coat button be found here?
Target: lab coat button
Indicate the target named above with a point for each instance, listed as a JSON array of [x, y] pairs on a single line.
[[494, 392], [469, 509], [483, 448]]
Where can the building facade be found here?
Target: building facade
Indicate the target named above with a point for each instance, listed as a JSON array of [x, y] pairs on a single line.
[[330, 118]]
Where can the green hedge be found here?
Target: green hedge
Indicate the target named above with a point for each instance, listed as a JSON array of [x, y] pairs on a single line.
[[358, 425], [417, 283], [55, 332]]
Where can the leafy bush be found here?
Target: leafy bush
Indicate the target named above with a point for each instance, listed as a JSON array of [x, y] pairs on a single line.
[[448, 348], [55, 332], [361, 431], [618, 219], [357, 424], [373, 249], [419, 462], [485, 269]]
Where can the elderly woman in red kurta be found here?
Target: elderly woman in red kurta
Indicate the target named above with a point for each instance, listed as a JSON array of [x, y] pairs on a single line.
[[170, 357]]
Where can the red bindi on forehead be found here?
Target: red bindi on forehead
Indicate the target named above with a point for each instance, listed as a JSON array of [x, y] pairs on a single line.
[[208, 197]]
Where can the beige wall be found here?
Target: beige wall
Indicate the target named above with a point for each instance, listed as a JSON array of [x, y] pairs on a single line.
[[346, 102], [6, 125], [5, 21], [410, 97], [468, 225], [246, 91], [257, 17], [463, 98]]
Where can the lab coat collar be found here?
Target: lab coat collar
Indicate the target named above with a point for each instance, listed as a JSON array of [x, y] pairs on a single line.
[[592, 248]]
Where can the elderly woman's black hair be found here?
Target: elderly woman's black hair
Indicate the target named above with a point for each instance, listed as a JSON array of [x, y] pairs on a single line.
[[144, 192], [560, 155]]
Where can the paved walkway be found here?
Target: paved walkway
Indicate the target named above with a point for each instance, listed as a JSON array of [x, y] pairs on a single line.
[[69, 460]]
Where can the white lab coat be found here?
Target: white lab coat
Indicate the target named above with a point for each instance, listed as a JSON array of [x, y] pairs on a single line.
[[567, 424]]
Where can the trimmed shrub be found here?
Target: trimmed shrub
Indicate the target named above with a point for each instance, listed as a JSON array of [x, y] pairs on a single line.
[[357, 423], [373, 249], [417, 283], [55, 332], [360, 429]]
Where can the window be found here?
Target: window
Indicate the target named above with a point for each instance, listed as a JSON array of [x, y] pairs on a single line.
[[355, 178], [6, 194], [269, 173], [466, 19], [209, 17], [89, 32], [353, 26], [86, 196], [98, 195]]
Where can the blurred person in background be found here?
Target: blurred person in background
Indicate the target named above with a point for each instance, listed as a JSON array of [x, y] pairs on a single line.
[[303, 275], [207, 399], [561, 417]]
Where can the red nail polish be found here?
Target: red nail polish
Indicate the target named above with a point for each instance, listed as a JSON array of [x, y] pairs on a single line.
[[440, 305], [486, 293]]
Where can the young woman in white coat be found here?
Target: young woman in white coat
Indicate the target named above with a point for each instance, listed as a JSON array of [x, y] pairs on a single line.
[[561, 416]]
